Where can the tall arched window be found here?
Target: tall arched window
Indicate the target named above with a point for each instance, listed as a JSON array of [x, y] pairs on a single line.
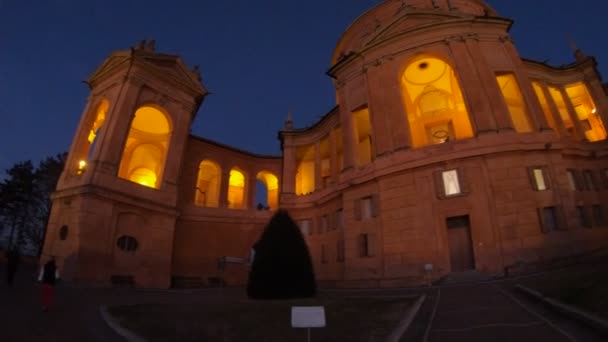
[[143, 158], [208, 185], [236, 190], [305, 173], [586, 111], [272, 188], [435, 106], [88, 146]]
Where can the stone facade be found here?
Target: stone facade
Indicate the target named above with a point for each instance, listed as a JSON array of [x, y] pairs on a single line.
[[446, 151]]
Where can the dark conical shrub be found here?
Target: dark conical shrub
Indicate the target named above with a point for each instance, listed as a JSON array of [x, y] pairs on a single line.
[[281, 267]]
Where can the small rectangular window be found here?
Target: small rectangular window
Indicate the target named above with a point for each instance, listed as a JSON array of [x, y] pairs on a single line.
[[539, 182], [548, 219], [340, 218], [590, 181], [366, 245], [582, 217], [573, 180], [324, 224], [366, 208], [323, 254], [305, 227], [598, 215], [340, 251], [451, 183]]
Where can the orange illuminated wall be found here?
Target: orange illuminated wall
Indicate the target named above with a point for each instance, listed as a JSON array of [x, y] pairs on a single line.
[[208, 185], [363, 136], [236, 190], [538, 90], [434, 103], [515, 102], [586, 112], [143, 158], [305, 173]]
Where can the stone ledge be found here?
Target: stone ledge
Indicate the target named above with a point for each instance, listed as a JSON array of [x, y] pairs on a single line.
[[121, 331], [585, 317]]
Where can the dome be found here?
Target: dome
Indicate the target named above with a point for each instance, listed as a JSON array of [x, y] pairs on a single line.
[[388, 12]]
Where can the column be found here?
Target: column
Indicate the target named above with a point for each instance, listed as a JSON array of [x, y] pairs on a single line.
[[578, 129], [289, 165], [534, 107], [472, 89], [318, 178], [380, 108], [224, 188], [554, 110], [333, 156], [488, 81], [348, 134], [250, 190]]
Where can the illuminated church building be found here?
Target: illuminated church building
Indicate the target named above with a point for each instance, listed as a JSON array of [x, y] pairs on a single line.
[[444, 148]]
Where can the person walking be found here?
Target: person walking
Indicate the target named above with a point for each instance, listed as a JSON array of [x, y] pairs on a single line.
[[12, 264], [49, 274]]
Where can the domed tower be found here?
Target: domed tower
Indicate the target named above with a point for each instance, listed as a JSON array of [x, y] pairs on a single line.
[[114, 210], [447, 151]]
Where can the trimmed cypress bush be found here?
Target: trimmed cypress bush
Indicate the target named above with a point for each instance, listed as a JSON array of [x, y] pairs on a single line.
[[281, 267]]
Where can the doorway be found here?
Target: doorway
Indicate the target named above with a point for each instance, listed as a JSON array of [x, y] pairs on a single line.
[[460, 244]]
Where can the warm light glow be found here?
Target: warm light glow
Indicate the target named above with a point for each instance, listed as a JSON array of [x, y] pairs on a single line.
[[144, 177], [434, 104], [100, 117], [586, 112], [515, 102], [146, 147], [539, 178], [305, 174], [82, 164], [208, 185], [363, 136], [236, 190]]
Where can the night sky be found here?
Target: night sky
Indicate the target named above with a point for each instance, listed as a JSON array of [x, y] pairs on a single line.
[[258, 58]]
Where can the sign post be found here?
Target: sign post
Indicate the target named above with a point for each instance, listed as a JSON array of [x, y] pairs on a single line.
[[307, 317]]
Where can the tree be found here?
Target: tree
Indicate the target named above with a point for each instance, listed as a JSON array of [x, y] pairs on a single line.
[[282, 267], [25, 200]]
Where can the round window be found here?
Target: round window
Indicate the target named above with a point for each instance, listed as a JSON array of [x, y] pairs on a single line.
[[127, 243], [63, 232]]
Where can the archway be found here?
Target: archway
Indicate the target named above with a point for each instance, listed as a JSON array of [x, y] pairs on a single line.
[[433, 99], [268, 183], [208, 185], [143, 159], [236, 190]]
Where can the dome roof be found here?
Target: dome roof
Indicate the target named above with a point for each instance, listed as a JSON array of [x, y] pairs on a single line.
[[388, 12]]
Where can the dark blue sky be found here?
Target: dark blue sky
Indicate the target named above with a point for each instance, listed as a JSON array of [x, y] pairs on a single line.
[[259, 58]]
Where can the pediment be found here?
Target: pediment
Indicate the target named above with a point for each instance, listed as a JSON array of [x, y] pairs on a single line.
[[406, 23], [162, 66]]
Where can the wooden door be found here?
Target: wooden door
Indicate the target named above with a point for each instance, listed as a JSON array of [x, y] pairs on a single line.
[[459, 240]]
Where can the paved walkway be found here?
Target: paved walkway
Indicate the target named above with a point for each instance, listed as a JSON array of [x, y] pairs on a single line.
[[481, 312]]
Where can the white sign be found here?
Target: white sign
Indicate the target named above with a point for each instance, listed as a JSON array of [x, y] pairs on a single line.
[[307, 317]]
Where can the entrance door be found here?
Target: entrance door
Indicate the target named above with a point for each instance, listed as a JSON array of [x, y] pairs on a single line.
[[459, 239]]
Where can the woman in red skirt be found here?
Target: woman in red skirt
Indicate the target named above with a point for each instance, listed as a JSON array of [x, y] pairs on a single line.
[[48, 276]]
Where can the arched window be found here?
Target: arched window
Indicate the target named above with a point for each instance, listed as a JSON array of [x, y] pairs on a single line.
[[305, 173], [88, 146], [514, 100], [143, 159], [435, 106], [236, 190], [586, 112], [208, 185], [271, 182]]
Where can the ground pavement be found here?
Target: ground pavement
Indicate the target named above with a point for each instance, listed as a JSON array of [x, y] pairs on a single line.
[[474, 312]]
